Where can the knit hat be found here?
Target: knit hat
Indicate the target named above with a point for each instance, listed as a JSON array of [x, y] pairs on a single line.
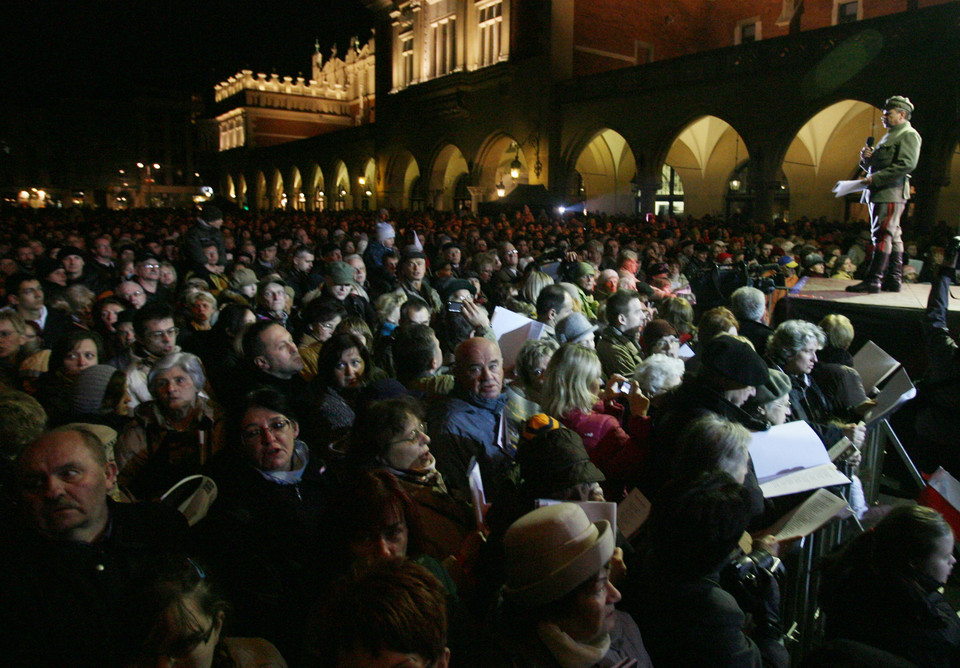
[[451, 286], [210, 213], [550, 551], [242, 276], [582, 269], [899, 102], [777, 385], [722, 257], [385, 231], [67, 251], [539, 424], [812, 259], [574, 328], [735, 360], [553, 459], [341, 273], [656, 330], [90, 388]]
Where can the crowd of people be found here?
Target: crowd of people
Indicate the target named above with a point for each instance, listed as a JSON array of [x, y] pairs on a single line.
[[390, 487]]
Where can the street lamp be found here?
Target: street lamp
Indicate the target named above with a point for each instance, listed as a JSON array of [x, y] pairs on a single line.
[[501, 189]]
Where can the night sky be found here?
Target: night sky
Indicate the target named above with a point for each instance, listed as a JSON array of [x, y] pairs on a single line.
[[108, 49]]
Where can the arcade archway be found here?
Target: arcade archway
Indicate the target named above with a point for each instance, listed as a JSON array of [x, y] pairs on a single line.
[[607, 171]]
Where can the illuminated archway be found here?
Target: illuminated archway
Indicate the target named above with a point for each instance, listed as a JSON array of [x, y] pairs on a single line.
[[495, 159], [340, 195], [607, 169], [241, 182], [448, 165], [706, 154], [316, 195], [296, 199], [826, 150], [276, 195], [229, 189], [367, 185], [402, 172]]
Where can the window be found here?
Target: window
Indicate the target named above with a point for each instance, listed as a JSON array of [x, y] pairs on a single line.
[[747, 31], [444, 35], [847, 11], [406, 53], [490, 21]]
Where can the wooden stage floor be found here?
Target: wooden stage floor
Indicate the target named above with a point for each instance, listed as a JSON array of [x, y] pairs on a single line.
[[892, 320]]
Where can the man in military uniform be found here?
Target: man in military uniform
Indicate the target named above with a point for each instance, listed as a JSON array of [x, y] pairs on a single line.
[[888, 166]]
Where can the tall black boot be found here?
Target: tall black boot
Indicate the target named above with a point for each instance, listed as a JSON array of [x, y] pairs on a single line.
[[871, 282], [894, 276]]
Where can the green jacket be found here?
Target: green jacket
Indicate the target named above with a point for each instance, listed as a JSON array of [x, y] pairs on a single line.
[[894, 157], [617, 352]]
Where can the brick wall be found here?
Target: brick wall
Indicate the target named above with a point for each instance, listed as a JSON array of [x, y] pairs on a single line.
[[680, 27]]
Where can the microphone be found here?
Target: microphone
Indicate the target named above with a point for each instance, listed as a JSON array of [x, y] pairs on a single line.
[[869, 142]]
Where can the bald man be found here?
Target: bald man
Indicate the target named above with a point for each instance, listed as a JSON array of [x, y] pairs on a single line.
[[470, 422]]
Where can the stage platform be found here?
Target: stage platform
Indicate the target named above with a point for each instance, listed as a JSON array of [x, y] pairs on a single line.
[[892, 320]]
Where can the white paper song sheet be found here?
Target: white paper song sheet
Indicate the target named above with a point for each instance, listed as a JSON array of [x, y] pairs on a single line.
[[825, 475], [512, 331], [786, 448], [817, 510], [844, 188], [476, 491], [632, 512], [898, 390]]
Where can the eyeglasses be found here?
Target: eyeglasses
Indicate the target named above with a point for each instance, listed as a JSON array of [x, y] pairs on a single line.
[[151, 265], [159, 336], [418, 432], [254, 433], [784, 403], [135, 293]]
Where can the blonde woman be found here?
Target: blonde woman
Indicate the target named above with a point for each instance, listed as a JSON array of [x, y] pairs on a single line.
[[573, 393]]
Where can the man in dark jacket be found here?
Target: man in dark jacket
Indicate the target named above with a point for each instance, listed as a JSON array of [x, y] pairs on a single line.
[[471, 422], [205, 231], [77, 555]]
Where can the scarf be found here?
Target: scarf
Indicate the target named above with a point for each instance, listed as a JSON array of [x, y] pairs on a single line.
[[301, 455], [568, 652]]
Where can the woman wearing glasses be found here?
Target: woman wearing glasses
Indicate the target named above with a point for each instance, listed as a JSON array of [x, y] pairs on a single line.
[[262, 533], [393, 436]]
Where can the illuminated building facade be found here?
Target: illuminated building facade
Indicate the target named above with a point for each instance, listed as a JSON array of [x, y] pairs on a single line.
[[756, 106]]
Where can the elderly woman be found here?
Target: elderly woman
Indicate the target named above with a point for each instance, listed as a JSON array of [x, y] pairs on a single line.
[[771, 403], [657, 375], [558, 601], [263, 532], [792, 348], [523, 395], [174, 435], [392, 436], [572, 393]]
